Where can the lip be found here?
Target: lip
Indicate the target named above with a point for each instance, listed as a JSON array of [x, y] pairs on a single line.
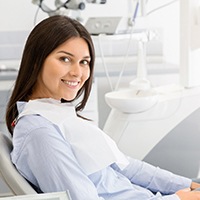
[[71, 83]]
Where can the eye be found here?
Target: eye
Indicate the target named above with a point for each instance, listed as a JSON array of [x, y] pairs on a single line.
[[64, 59], [85, 62]]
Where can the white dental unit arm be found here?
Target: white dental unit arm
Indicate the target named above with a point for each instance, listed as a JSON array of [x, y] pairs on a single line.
[[67, 5]]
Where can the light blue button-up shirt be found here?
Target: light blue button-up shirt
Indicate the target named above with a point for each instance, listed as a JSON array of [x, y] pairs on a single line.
[[45, 158]]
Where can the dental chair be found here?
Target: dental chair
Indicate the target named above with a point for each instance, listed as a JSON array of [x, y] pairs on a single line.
[[17, 184]]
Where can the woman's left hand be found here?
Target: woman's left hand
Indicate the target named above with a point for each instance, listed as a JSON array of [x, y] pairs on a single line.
[[194, 185]]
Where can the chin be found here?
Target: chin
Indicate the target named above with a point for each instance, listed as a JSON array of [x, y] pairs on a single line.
[[68, 99]]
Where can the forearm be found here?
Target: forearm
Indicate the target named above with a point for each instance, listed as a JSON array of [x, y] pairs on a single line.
[[154, 178]]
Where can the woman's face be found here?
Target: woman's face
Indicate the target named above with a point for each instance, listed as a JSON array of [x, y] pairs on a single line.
[[65, 71]]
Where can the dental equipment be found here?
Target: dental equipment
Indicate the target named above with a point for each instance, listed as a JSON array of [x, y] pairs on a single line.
[[167, 132], [67, 4]]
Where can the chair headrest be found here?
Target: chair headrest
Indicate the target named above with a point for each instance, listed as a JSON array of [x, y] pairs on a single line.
[[14, 180]]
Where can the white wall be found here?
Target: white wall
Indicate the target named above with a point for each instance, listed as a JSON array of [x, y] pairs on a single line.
[[17, 15]]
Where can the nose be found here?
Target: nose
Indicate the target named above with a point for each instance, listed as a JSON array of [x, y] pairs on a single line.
[[75, 70]]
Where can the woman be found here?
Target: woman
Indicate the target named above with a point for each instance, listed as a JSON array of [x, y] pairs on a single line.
[[55, 148]]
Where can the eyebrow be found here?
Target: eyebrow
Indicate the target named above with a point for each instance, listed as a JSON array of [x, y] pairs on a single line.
[[65, 52]]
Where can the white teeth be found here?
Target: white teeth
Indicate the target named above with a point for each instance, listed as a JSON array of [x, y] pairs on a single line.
[[71, 83]]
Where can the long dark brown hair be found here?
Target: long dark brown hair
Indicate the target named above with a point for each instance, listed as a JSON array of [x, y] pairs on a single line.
[[43, 39]]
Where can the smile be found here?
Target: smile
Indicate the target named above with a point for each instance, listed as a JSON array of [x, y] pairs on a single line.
[[71, 83]]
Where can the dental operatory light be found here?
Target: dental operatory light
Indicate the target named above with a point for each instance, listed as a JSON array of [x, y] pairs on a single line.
[[70, 8], [96, 1], [74, 5], [66, 4]]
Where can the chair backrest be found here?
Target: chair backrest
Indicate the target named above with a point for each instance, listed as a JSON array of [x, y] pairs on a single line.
[[17, 184]]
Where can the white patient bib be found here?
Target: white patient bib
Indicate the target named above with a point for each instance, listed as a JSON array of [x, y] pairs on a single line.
[[93, 149]]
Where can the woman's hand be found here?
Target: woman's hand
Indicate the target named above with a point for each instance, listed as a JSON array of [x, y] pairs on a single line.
[[194, 185], [188, 194]]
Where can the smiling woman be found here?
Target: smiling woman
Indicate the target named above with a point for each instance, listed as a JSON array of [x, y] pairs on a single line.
[[39, 49], [57, 150]]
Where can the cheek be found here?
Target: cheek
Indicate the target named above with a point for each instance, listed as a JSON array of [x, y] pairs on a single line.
[[48, 77], [51, 71]]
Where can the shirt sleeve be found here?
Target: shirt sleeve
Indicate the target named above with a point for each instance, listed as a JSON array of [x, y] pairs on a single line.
[[170, 197], [51, 162], [154, 178], [158, 196]]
